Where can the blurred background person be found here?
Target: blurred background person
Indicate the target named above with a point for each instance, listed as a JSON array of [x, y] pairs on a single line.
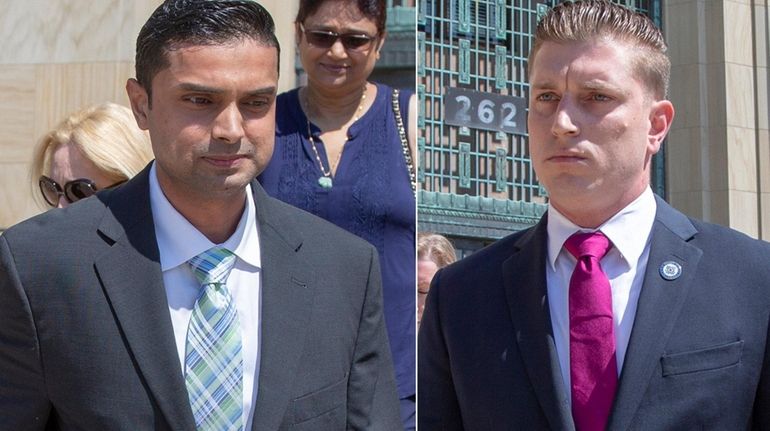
[[342, 153], [434, 252], [95, 148]]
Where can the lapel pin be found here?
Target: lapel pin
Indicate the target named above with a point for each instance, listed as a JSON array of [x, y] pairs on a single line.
[[670, 270]]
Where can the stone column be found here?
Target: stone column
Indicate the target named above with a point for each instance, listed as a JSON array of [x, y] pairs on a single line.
[[718, 156]]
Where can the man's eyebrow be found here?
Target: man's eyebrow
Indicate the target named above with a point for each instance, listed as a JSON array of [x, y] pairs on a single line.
[[543, 85], [591, 85], [601, 85], [199, 88], [266, 91]]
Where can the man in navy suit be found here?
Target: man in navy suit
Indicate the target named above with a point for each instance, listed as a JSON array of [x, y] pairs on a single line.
[[98, 303], [666, 327]]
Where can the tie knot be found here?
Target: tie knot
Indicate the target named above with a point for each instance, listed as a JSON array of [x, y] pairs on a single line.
[[213, 265], [593, 244]]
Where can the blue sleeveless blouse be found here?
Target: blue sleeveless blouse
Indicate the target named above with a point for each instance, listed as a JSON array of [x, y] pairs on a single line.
[[371, 197]]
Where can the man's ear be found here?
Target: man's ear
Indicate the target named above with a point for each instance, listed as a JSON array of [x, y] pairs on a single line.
[[140, 102], [661, 117]]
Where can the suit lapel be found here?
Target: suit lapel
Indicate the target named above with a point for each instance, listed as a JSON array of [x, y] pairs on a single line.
[[287, 298], [660, 302], [525, 285], [131, 277]]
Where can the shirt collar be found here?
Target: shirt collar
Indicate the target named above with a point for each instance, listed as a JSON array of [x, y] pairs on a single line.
[[170, 226], [628, 230]]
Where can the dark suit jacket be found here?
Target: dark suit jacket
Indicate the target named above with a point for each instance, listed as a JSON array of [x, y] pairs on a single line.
[[698, 356], [86, 340]]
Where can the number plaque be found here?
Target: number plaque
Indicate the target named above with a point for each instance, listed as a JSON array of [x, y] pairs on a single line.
[[486, 111]]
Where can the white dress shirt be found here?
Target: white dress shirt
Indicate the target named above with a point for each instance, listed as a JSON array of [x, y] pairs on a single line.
[[625, 264], [178, 242]]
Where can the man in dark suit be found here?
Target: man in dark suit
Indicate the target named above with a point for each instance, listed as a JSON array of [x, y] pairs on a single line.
[[615, 311], [104, 325]]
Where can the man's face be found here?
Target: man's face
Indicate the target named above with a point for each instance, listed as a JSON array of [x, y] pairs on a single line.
[[212, 121], [593, 125]]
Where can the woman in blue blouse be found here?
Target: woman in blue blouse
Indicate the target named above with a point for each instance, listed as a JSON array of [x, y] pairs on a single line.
[[339, 155]]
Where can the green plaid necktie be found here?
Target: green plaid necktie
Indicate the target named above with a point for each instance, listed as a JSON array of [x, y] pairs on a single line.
[[213, 362]]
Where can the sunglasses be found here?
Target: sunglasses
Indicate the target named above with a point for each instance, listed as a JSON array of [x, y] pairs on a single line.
[[325, 39], [73, 191]]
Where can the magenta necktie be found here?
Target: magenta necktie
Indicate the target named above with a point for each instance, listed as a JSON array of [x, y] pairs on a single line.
[[593, 369]]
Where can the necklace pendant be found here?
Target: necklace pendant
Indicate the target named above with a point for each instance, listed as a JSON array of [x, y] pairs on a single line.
[[325, 182]]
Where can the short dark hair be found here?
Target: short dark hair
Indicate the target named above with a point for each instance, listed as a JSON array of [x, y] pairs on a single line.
[[375, 10], [585, 20], [180, 23]]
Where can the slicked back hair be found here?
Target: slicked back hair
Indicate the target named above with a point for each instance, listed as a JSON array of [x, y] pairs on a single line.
[[182, 23], [375, 10], [602, 20]]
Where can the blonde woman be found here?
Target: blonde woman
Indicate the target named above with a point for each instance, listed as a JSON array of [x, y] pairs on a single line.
[[434, 252], [95, 148]]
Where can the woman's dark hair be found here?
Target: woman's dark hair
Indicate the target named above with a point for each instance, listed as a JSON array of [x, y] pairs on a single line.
[[375, 10], [180, 23]]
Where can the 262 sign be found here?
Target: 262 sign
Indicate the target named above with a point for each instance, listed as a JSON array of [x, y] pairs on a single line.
[[486, 111]]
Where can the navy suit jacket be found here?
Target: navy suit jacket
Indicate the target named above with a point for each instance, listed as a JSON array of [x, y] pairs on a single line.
[[86, 340], [698, 356]]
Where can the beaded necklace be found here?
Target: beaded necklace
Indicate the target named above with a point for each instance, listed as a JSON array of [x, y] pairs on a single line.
[[325, 180]]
